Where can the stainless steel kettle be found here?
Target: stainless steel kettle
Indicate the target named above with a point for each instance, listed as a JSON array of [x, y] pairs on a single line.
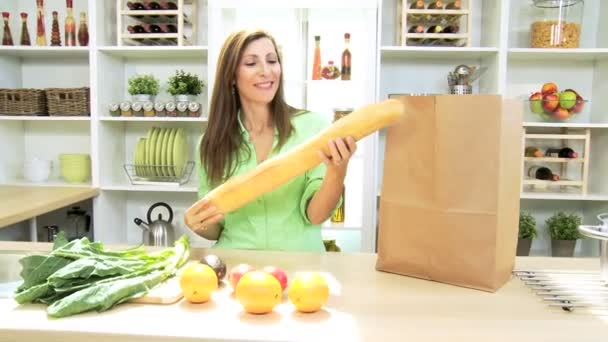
[[159, 232]]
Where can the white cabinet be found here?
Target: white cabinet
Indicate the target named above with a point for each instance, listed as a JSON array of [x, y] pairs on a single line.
[[500, 31]]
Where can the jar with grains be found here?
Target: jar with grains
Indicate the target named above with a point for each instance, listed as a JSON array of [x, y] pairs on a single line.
[[137, 108], [556, 23], [170, 109], [148, 108], [159, 109]]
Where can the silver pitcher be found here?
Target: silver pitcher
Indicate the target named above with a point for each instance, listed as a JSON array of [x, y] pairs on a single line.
[[601, 233], [160, 232]]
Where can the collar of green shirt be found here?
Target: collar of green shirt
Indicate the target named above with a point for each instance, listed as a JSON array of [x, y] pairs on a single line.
[[244, 131]]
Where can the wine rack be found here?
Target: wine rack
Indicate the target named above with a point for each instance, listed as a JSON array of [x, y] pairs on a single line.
[[448, 24], [563, 167], [156, 22]]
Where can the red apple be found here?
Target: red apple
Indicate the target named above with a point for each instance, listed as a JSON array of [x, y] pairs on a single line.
[[549, 88], [550, 102], [580, 103], [561, 113], [536, 103], [277, 273], [237, 272]]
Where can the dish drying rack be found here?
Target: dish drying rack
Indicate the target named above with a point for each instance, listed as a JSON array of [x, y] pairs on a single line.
[[570, 290], [149, 175]]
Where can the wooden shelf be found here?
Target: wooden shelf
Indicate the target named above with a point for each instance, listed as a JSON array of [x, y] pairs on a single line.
[[562, 196], [438, 11]]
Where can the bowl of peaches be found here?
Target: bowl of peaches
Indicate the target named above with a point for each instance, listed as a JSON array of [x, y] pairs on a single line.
[[550, 104]]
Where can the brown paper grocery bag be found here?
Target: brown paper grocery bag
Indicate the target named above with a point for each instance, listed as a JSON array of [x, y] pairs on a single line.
[[449, 206]]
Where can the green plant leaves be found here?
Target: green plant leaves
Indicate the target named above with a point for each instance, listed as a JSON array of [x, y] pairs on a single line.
[[527, 226], [143, 84], [184, 83], [562, 226]]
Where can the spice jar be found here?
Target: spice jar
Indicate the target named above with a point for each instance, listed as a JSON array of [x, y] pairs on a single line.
[[195, 109], [114, 109], [159, 108], [137, 109], [182, 109], [148, 108], [556, 23], [170, 109], [125, 109]]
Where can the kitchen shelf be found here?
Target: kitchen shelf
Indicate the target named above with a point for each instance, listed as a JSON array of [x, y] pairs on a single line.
[[449, 53], [144, 52], [554, 160], [45, 51], [152, 119], [562, 196], [557, 54], [44, 118], [151, 188], [557, 136], [565, 125], [555, 183]]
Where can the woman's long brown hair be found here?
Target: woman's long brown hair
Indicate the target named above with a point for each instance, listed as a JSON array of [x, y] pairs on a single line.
[[222, 141]]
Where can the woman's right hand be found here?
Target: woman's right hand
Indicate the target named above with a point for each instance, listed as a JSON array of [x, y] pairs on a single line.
[[201, 215]]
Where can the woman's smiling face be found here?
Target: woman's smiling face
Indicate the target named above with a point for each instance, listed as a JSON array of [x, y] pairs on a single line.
[[259, 72]]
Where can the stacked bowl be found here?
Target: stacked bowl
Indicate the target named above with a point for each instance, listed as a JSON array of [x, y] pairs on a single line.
[[75, 168]]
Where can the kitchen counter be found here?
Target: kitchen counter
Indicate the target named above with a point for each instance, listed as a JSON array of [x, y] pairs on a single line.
[[364, 305], [20, 203]]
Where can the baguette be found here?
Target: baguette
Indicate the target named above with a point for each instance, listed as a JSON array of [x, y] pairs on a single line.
[[274, 172]]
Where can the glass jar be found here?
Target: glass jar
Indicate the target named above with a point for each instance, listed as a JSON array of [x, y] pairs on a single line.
[[556, 23]]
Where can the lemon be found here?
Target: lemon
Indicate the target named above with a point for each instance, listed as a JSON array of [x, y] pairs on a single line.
[[258, 292], [198, 281], [308, 292]]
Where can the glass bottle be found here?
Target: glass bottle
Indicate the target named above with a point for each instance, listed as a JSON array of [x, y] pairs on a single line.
[[346, 59], [416, 5], [70, 25], [40, 30], [7, 38], [436, 5], [159, 109], [316, 66], [137, 109], [454, 5], [182, 109], [25, 33], [114, 109], [556, 24], [55, 35], [170, 109], [83, 30], [415, 29], [125, 109]]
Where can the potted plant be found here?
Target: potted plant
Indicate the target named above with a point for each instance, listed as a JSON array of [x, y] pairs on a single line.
[[143, 87], [527, 232], [563, 229], [184, 86]]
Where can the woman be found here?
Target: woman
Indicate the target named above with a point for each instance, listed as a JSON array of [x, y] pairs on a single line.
[[250, 122]]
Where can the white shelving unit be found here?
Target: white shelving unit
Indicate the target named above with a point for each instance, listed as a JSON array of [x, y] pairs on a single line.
[[499, 31]]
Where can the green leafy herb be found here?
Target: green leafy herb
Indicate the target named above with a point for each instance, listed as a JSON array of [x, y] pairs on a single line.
[[80, 275], [184, 83]]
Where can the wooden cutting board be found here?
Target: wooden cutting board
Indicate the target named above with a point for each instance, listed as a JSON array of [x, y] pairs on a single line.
[[168, 292]]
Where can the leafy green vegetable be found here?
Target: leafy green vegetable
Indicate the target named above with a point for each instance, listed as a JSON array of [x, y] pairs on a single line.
[[60, 240], [80, 275]]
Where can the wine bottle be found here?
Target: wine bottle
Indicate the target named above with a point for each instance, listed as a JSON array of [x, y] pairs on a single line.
[[169, 28], [136, 29], [434, 29], [153, 28], [454, 5], [40, 31], [346, 59], [565, 152], [416, 29], [136, 6], [153, 6], [435, 5], [542, 173], [533, 151], [419, 4], [169, 5], [451, 29]]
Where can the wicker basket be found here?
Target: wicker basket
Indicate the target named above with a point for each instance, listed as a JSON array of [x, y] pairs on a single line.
[[68, 101], [22, 102]]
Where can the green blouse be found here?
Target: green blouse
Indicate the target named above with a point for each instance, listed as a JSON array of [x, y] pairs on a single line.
[[276, 220]]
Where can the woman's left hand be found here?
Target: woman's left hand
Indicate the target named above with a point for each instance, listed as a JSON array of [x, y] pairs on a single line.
[[340, 151]]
